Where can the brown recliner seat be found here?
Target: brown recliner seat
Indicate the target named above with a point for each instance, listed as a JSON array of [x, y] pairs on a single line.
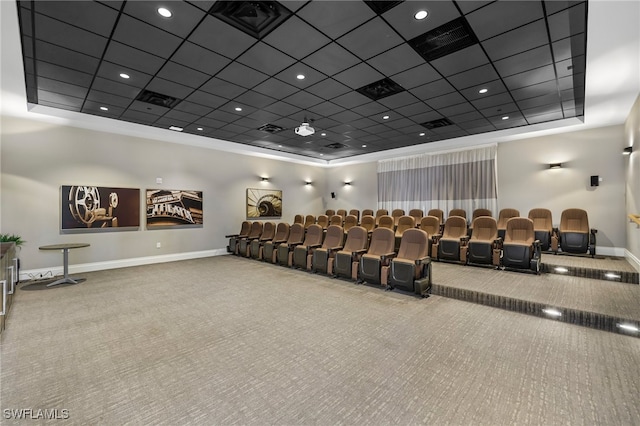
[[386, 221], [452, 244], [574, 233], [329, 212], [349, 222], [335, 220], [319, 261], [309, 220], [354, 212], [431, 225], [410, 270], [417, 214], [458, 212], [543, 228], [368, 212], [396, 214], [296, 236], [379, 254], [298, 219], [233, 238], [345, 262], [368, 222], [312, 240], [342, 213], [404, 223], [503, 217], [484, 245], [268, 232], [520, 249], [323, 221], [242, 248], [437, 213], [476, 214], [380, 213], [269, 250]]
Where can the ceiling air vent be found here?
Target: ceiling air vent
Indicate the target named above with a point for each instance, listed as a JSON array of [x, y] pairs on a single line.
[[381, 6], [336, 145], [270, 128], [380, 89], [157, 99], [448, 38], [434, 124], [256, 18]]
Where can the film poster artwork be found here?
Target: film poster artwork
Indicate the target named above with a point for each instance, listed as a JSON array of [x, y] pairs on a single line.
[[94, 207], [173, 207], [264, 203]]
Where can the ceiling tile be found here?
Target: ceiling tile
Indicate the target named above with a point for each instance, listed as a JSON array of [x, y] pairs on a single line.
[[92, 107], [568, 22], [433, 89], [473, 77], [58, 97], [115, 88], [492, 87], [539, 101], [370, 109], [59, 33], [241, 75], [331, 59], [524, 61], [500, 17], [457, 109], [185, 16], [263, 116], [255, 99], [199, 58], [145, 37], [265, 58], [334, 18], [467, 6], [535, 90], [499, 111], [398, 100], [275, 88], [328, 89], [307, 39], [138, 117], [66, 75], [193, 108], [351, 100], [402, 18], [443, 101], [569, 47], [112, 71], [206, 99], [516, 41], [417, 76], [148, 108], [166, 87], [345, 116], [222, 88], [413, 109], [290, 75], [65, 57], [182, 75], [466, 117], [490, 101], [223, 116], [396, 60], [221, 38], [462, 60], [529, 78], [303, 99], [108, 98], [326, 109], [553, 6], [358, 76], [282, 108], [370, 39], [90, 16], [181, 115], [129, 57]]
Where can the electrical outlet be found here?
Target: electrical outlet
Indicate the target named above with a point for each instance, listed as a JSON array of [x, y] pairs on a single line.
[[158, 244]]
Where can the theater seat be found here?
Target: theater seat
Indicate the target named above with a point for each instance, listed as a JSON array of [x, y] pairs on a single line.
[[476, 214], [380, 213], [346, 260], [404, 223], [335, 220], [269, 250], [301, 253], [574, 233], [242, 248], [323, 221], [309, 220], [284, 253], [503, 217], [354, 212], [298, 219], [379, 254], [543, 229], [268, 232], [368, 223], [386, 221], [410, 270], [396, 214], [349, 222], [452, 244], [342, 213], [484, 244], [458, 212], [417, 214], [431, 225], [520, 249], [367, 212], [233, 238], [437, 213], [319, 260], [329, 212]]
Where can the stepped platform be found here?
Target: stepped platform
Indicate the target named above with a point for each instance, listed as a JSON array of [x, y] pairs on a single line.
[[606, 304]]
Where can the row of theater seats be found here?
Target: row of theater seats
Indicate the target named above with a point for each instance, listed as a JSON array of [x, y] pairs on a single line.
[[358, 254]]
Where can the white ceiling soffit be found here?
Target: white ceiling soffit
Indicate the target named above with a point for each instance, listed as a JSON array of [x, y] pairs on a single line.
[[612, 86]]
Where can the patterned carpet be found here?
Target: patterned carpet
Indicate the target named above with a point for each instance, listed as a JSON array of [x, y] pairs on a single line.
[[225, 340]]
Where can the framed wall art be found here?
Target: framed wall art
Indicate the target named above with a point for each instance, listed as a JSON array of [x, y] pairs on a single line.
[[174, 208], [99, 207], [263, 203]]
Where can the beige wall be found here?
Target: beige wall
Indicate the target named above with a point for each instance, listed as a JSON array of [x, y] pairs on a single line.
[[632, 170]]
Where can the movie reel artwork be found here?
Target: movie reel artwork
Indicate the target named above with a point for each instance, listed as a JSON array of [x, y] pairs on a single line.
[[264, 203], [98, 207]]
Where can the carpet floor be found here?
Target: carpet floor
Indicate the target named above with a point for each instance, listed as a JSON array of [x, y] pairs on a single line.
[[226, 340]]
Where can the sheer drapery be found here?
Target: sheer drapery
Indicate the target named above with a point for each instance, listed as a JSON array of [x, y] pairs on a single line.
[[461, 179]]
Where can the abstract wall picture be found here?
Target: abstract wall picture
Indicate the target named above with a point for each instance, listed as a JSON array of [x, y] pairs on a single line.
[[173, 208], [264, 203], [99, 207]]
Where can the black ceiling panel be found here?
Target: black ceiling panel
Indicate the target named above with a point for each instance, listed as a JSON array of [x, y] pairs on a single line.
[[342, 63]]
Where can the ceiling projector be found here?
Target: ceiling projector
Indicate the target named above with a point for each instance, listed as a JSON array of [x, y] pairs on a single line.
[[305, 130]]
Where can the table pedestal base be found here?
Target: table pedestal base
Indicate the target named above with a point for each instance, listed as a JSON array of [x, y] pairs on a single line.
[[63, 280]]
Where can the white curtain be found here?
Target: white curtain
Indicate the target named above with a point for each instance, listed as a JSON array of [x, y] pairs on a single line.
[[463, 179]]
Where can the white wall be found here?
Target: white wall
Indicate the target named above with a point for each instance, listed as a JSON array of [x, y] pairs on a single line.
[[525, 180], [632, 170], [37, 158], [361, 194]]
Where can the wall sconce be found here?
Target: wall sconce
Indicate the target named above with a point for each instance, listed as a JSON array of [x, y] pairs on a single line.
[[555, 165], [628, 150], [264, 179], [347, 183]]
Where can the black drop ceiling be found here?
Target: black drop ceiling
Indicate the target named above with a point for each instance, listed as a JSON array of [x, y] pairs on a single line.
[[228, 70]]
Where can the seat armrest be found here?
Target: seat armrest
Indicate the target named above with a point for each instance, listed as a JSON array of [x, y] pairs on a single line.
[[357, 252], [464, 240], [387, 256], [423, 260], [594, 231], [334, 249], [555, 230], [436, 237], [314, 246], [232, 235], [497, 243]]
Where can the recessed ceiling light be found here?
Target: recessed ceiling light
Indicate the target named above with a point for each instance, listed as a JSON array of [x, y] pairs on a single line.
[[279, 146], [323, 134], [422, 134], [482, 91], [421, 14], [552, 312], [628, 327], [200, 129], [506, 117], [176, 128], [364, 146], [612, 276], [385, 117], [321, 155], [300, 77], [238, 109], [561, 270], [163, 11], [124, 75], [104, 108]]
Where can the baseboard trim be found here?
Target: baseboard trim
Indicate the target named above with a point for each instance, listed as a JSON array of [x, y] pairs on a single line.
[[634, 261], [610, 251], [120, 263]]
